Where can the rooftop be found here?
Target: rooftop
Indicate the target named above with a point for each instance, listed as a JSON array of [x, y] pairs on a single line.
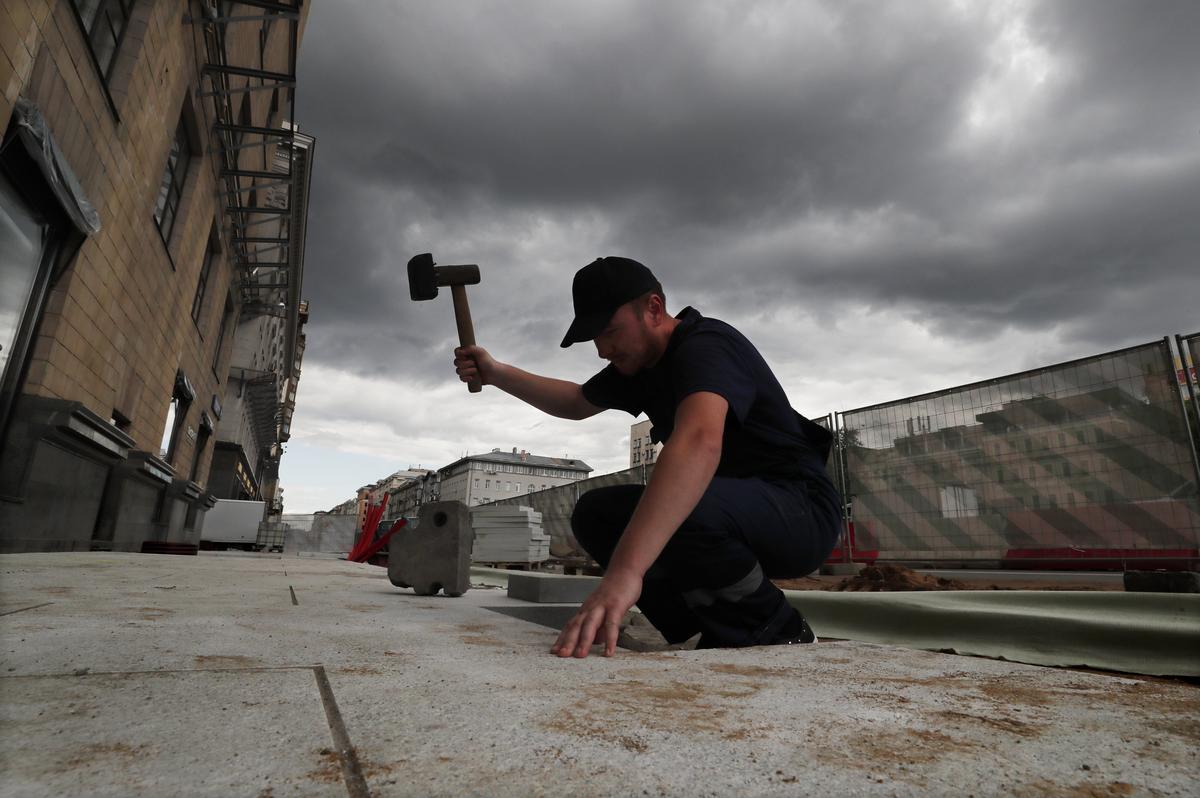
[[523, 458], [126, 674]]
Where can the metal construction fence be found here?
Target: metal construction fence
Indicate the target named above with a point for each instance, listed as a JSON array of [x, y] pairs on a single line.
[[1189, 360], [1087, 464]]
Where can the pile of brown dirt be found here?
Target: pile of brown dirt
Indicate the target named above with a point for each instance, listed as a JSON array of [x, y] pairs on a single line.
[[895, 577]]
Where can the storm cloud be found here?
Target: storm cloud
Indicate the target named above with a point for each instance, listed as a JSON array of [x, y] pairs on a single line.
[[885, 196]]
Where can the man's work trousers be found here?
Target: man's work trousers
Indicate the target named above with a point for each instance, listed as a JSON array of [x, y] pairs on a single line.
[[713, 575]]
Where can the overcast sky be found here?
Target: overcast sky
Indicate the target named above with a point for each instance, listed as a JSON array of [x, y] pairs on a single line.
[[888, 198]]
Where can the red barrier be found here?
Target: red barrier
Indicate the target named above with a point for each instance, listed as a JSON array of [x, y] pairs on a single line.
[[1096, 559], [838, 555], [366, 540], [374, 548]]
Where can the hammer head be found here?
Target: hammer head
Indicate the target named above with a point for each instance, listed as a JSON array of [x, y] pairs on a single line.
[[424, 276]]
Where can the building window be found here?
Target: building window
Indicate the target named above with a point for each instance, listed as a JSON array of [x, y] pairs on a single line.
[[105, 22], [37, 240], [518, 487], [226, 316], [206, 430], [202, 285], [168, 436], [21, 234], [170, 189], [181, 399]]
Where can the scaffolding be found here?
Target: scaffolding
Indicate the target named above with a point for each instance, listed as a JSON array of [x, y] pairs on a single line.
[[264, 216]]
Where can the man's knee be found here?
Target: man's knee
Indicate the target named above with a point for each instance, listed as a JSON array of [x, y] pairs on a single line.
[[600, 516], [587, 520]]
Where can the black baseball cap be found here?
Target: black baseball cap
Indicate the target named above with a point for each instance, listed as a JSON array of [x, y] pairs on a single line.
[[600, 288]]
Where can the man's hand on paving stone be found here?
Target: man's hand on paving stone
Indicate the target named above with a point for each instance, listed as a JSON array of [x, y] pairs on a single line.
[[599, 618]]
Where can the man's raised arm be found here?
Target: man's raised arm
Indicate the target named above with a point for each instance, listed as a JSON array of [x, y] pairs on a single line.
[[559, 398]]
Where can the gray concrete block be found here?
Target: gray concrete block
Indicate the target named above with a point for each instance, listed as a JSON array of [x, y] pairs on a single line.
[[435, 553], [550, 588], [1162, 581]]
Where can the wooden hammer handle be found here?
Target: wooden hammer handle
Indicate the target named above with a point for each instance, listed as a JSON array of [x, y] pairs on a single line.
[[466, 332]]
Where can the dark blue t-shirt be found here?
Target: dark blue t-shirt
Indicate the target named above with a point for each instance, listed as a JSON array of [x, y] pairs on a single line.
[[764, 437]]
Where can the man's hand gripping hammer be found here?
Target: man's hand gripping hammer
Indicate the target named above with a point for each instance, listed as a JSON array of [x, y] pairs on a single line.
[[424, 277]]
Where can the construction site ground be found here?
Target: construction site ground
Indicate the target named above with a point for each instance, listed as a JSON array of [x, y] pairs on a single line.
[[269, 676]]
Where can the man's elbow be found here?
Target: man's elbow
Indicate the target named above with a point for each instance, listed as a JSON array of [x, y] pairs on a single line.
[[581, 408], [703, 445]]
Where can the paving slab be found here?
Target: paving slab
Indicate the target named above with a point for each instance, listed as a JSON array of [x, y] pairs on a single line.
[[550, 588], [221, 731], [443, 696]]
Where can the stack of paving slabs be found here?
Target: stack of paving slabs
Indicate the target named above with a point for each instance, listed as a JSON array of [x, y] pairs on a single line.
[[508, 534]]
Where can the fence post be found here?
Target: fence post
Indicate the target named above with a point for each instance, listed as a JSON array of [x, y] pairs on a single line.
[[839, 462], [1187, 380]]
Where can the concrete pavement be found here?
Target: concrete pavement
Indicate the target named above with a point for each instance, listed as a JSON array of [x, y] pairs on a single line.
[[124, 674]]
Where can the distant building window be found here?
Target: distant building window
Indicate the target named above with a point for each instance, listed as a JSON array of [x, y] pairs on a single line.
[[171, 187], [518, 487], [105, 22]]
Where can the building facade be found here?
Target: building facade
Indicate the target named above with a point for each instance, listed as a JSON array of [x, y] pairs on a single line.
[[138, 171], [417, 486], [484, 478], [642, 450]]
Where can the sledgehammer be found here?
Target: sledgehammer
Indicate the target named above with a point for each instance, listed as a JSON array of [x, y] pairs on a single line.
[[424, 277]]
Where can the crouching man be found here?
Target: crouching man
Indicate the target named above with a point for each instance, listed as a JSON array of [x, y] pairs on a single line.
[[738, 496]]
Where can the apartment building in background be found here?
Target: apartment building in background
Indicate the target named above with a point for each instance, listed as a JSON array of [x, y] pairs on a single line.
[[642, 450], [152, 199], [482, 478], [405, 490]]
